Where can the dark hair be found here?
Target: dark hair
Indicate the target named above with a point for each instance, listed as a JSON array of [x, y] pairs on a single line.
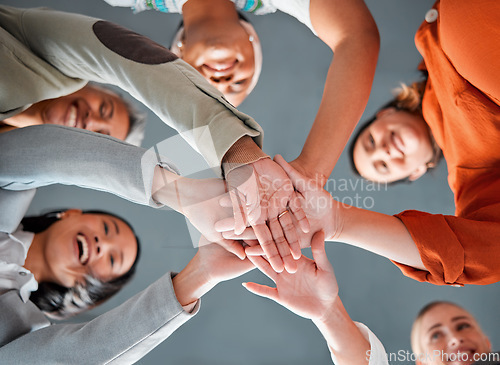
[[61, 302], [407, 99]]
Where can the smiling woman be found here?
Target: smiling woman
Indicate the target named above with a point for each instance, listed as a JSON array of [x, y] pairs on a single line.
[[79, 259], [92, 108], [397, 144], [444, 332]]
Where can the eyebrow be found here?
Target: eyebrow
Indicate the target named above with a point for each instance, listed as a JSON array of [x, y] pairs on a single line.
[[454, 319], [116, 227]]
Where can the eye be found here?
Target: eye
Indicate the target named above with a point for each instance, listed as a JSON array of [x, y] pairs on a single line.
[[462, 326], [435, 336], [106, 228], [103, 132], [102, 110], [239, 86], [112, 260], [381, 167], [371, 140], [106, 109]]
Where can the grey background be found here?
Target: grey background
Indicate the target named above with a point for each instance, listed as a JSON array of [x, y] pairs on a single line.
[[234, 326]]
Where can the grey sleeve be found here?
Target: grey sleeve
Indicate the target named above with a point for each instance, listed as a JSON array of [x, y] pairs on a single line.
[[121, 336], [13, 207], [80, 47], [43, 155]]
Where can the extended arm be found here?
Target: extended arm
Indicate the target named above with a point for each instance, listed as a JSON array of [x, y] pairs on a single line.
[[348, 28], [439, 249], [55, 51], [312, 292], [129, 331], [43, 155], [379, 233]]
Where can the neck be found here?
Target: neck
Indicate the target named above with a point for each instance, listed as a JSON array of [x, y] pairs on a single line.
[[35, 258], [202, 13]]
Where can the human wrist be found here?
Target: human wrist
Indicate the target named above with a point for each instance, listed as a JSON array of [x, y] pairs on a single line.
[[243, 152], [331, 315], [165, 188], [191, 283], [308, 168], [334, 220], [176, 191]]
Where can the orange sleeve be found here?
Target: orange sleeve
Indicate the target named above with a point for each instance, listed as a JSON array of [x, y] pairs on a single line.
[[470, 33], [455, 250]]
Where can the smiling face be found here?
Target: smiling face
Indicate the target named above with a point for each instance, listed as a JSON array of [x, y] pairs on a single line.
[[394, 146], [447, 329], [77, 245], [224, 55], [90, 108]]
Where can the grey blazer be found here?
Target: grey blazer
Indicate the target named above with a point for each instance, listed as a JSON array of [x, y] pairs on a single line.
[[43, 155]]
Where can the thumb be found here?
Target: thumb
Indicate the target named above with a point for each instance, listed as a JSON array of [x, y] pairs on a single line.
[[297, 179], [234, 247], [261, 290], [319, 253], [224, 225]]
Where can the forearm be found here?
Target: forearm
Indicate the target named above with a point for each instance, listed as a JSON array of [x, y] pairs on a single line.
[[345, 95], [129, 331], [348, 28], [75, 157], [346, 343], [379, 233], [94, 50]]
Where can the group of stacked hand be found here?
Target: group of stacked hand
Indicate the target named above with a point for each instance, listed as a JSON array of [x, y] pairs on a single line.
[[261, 216]]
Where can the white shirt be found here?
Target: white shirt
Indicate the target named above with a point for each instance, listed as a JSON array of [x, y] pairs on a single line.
[[13, 250], [299, 9]]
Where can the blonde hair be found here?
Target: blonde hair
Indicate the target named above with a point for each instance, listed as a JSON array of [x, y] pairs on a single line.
[[409, 98]]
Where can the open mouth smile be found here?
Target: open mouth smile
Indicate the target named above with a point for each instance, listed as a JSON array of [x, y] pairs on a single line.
[[83, 249]]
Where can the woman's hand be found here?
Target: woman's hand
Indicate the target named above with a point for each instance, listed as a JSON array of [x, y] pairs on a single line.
[[308, 171], [198, 201], [311, 292], [211, 265], [217, 264], [321, 210]]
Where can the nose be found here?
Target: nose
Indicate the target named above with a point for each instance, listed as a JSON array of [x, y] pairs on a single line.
[[221, 83], [381, 150], [455, 340], [388, 149], [101, 246]]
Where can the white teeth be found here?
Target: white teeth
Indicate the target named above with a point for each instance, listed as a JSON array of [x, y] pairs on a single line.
[[85, 249], [72, 116]]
